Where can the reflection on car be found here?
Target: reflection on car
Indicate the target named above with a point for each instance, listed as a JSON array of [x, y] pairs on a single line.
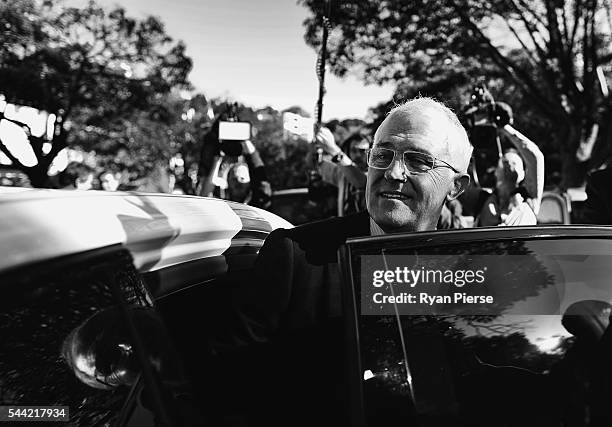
[[538, 356]]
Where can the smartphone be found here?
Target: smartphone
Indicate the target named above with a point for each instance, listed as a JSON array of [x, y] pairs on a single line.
[[234, 131]]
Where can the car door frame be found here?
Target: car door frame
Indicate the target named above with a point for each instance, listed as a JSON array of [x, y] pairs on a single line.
[[423, 240]]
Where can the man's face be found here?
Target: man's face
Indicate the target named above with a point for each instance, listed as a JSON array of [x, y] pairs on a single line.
[[510, 170], [357, 153], [398, 200], [109, 182], [85, 182]]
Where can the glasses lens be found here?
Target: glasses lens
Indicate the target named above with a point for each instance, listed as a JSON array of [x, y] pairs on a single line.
[[380, 157], [418, 162]]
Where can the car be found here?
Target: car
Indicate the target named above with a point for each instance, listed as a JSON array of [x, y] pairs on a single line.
[[297, 206], [496, 326], [93, 290], [113, 305]]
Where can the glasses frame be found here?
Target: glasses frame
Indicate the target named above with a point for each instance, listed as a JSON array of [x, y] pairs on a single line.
[[434, 161]]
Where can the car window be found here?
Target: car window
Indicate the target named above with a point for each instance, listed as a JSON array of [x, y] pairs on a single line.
[[83, 333], [537, 355]]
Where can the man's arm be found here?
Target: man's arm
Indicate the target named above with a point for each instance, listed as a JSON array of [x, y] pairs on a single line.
[[595, 209], [260, 185], [209, 182], [345, 167], [259, 303], [355, 176], [330, 172], [534, 164]]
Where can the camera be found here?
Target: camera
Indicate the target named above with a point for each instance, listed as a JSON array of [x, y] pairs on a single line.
[[482, 118], [231, 135], [234, 131]]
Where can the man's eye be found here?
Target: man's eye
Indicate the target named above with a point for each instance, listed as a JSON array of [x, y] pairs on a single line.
[[418, 161], [382, 155]]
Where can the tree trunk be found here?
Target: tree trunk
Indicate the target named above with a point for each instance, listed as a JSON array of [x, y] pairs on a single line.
[[38, 176], [573, 172]]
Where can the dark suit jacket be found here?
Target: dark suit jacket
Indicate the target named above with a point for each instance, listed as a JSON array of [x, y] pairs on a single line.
[[598, 206], [288, 327]]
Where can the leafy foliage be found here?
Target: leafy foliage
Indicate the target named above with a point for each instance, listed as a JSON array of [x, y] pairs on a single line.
[[544, 54], [91, 67]]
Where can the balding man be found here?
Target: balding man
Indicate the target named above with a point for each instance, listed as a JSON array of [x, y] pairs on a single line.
[[292, 311], [419, 160]]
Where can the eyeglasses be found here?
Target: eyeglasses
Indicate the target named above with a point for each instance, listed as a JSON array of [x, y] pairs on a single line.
[[415, 161]]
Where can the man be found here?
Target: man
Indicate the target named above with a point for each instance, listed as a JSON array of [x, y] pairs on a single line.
[[289, 317], [346, 172], [598, 205], [519, 184], [76, 176]]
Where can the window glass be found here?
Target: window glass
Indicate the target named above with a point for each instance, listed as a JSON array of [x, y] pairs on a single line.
[[540, 357]]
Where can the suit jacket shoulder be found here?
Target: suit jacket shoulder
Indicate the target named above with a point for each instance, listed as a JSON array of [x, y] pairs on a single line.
[[320, 240], [598, 206]]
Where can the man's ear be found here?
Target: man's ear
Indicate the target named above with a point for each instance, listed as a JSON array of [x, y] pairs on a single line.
[[460, 184]]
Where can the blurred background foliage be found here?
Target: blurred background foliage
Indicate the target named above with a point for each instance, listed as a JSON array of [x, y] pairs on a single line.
[[113, 80]]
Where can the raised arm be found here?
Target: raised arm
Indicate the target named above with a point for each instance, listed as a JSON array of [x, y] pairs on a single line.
[[534, 164], [343, 165]]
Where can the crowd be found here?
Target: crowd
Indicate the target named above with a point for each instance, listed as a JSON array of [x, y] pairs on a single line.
[[114, 169], [504, 180]]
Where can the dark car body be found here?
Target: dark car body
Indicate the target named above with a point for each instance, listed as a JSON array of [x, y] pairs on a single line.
[[94, 286]]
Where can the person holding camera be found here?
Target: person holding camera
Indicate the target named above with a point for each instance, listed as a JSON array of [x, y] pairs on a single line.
[[239, 176], [519, 178]]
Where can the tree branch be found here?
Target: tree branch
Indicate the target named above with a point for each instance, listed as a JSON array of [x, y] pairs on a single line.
[[556, 48], [534, 61], [530, 8], [59, 143], [37, 146], [577, 16], [531, 30], [10, 156], [519, 76], [565, 24]]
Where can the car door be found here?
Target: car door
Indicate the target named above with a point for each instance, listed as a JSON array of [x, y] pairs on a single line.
[[81, 332], [529, 344]]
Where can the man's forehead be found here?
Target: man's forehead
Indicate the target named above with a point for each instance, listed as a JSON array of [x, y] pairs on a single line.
[[416, 129]]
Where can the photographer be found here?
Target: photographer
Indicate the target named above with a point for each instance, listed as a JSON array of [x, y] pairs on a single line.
[[233, 170], [519, 174]]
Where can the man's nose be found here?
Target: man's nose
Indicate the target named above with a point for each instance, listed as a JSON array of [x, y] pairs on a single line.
[[396, 171]]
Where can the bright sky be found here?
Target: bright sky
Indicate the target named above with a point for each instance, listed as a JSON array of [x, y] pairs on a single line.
[[253, 51]]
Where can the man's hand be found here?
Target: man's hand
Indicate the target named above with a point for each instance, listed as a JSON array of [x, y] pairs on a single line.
[[325, 138]]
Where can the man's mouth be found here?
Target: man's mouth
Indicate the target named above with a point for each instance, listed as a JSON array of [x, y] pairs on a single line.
[[397, 195]]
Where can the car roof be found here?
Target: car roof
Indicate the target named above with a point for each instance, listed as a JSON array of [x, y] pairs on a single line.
[[159, 229]]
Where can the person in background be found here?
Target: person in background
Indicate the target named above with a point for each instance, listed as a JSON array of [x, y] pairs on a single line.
[[109, 181], [239, 178], [519, 181], [76, 176], [345, 171], [598, 205], [349, 172]]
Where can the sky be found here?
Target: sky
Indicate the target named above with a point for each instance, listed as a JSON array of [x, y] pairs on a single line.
[[253, 52]]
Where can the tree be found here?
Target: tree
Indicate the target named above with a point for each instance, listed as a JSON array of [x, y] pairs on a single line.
[[551, 52], [92, 68]]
